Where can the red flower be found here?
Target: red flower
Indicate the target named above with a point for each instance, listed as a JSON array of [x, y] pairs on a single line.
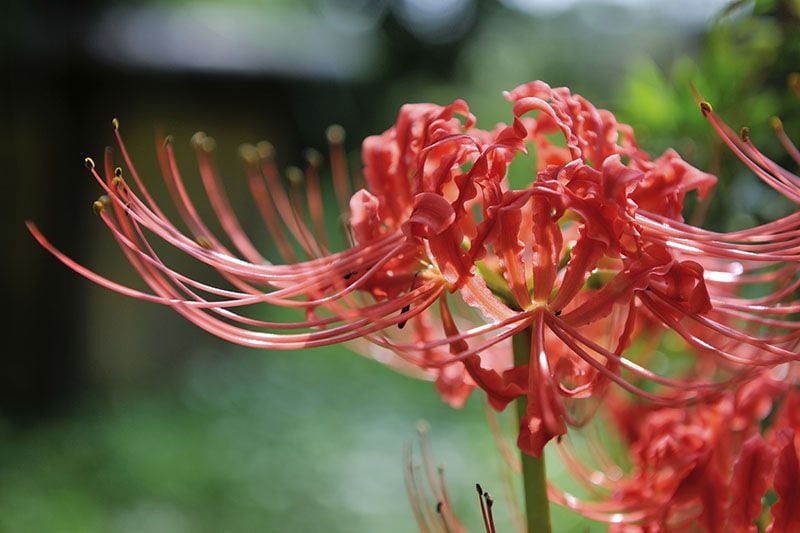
[[447, 262], [691, 467]]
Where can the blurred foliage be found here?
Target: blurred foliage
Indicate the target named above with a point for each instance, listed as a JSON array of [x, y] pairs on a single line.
[[743, 70], [302, 441]]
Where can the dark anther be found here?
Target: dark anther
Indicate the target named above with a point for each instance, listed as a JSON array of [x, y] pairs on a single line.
[[479, 489], [557, 313], [744, 134], [439, 506], [403, 311]]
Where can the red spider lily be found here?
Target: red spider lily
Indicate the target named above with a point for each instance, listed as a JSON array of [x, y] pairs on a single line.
[[693, 467], [446, 262]]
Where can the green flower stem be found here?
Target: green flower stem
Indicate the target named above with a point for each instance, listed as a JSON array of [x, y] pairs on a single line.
[[534, 476]]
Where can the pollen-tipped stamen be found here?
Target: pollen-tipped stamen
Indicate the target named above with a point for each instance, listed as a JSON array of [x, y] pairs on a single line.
[[260, 194], [489, 505], [100, 204], [784, 139], [341, 176], [483, 508], [218, 198], [314, 195]]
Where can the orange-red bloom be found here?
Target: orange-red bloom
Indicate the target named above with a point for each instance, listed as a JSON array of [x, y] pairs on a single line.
[[705, 467], [446, 261]]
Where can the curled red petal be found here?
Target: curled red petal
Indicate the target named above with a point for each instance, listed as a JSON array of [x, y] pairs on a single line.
[[619, 180], [364, 217], [751, 477], [666, 182], [452, 385], [547, 243], [786, 511], [686, 287], [452, 259], [655, 262], [501, 389], [431, 216], [544, 410]]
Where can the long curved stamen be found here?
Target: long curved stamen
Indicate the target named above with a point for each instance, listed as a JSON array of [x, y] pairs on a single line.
[[785, 140], [341, 181], [219, 199], [733, 141], [264, 204]]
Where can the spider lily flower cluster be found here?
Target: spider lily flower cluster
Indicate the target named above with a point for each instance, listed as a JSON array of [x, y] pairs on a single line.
[[447, 261], [728, 464], [708, 465]]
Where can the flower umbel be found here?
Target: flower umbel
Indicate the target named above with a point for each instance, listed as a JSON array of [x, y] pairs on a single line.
[[447, 262]]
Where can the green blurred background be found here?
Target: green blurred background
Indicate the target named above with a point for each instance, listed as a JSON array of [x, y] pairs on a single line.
[[117, 415]]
